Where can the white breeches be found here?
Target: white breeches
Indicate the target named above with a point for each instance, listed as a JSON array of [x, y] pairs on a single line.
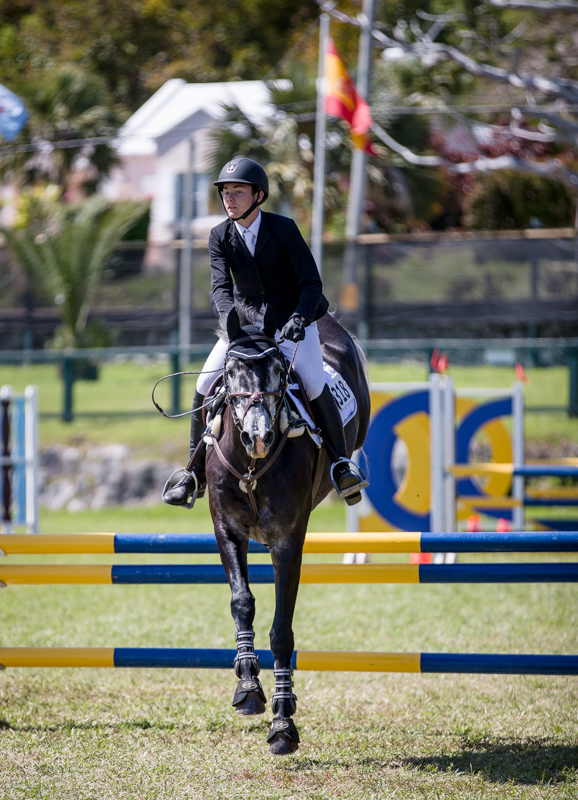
[[308, 362]]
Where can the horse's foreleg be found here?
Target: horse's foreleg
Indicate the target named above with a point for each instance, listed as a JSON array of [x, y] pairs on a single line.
[[283, 736], [249, 697]]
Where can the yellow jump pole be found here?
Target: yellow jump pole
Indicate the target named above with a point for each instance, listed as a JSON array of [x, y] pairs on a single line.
[[360, 573], [17, 544], [57, 656], [398, 542], [337, 661], [26, 574]]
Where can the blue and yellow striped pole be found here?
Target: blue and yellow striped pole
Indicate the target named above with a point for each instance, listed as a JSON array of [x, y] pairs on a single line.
[[315, 660], [205, 543], [534, 572]]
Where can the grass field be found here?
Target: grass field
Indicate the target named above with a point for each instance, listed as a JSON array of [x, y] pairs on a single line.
[[139, 734]]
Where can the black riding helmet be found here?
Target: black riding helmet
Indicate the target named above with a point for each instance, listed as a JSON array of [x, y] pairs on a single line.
[[244, 170]]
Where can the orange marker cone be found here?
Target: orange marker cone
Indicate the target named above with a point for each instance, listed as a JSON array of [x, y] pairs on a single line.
[[474, 524], [521, 374], [420, 558]]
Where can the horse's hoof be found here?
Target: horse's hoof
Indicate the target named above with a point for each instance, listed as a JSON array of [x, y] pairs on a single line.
[[283, 737], [249, 697], [282, 745], [251, 705]]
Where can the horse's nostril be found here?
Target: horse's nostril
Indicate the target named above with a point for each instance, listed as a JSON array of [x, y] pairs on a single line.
[[268, 438], [246, 439]]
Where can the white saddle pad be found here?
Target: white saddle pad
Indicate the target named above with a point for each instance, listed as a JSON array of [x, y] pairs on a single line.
[[342, 394]]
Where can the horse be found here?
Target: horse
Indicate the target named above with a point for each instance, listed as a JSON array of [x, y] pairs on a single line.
[[266, 493]]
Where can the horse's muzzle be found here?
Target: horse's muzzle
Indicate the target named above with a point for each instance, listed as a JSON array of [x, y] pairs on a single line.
[[258, 446]]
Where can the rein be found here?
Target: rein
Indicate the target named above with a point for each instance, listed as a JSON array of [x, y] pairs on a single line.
[[175, 375]]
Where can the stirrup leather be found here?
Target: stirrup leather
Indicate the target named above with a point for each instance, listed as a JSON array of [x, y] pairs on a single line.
[[349, 490], [187, 473]]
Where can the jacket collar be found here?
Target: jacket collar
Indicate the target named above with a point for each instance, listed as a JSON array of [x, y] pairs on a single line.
[[264, 234]]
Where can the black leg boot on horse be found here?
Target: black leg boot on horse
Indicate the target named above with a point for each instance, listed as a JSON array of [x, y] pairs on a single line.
[[346, 476], [249, 696], [193, 483]]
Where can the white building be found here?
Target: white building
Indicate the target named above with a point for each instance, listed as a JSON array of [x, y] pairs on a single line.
[[154, 149]]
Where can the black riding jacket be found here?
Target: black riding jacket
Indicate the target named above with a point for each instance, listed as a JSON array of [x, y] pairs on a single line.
[[282, 272]]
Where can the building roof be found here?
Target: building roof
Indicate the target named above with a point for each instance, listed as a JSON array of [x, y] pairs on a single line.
[[178, 100]]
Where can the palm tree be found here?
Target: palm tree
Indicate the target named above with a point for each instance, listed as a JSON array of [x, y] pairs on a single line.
[[67, 107], [66, 247]]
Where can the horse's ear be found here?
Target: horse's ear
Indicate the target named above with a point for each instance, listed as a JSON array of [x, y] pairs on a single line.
[[233, 324], [269, 322]]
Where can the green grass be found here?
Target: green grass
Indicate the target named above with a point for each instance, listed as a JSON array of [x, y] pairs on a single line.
[[139, 734]]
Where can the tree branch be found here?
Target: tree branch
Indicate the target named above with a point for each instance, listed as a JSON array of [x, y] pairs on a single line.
[[553, 119], [558, 87], [552, 167], [539, 5]]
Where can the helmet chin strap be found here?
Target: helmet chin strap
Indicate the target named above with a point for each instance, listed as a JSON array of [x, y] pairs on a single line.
[[249, 211]]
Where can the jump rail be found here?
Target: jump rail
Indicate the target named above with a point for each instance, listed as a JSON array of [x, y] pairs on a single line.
[[537, 572], [334, 661], [205, 543]]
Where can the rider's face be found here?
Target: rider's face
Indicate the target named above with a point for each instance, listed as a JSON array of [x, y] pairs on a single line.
[[238, 198]]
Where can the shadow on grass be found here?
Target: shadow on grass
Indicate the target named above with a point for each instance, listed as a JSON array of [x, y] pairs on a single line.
[[526, 763], [204, 725]]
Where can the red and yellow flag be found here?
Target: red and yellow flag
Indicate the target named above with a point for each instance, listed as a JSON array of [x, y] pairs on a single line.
[[343, 101]]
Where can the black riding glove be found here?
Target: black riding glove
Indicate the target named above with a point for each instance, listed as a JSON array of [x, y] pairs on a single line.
[[294, 329]]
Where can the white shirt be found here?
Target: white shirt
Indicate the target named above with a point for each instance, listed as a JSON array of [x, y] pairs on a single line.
[[254, 229]]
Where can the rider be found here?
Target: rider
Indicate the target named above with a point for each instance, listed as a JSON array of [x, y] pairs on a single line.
[[259, 258]]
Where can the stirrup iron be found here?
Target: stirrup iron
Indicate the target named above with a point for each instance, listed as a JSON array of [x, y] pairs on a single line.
[[349, 490], [188, 474]]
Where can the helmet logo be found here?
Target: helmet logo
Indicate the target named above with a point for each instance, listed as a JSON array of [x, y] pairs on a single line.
[[231, 167]]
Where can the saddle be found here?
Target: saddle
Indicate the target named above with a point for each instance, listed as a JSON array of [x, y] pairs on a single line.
[[296, 414]]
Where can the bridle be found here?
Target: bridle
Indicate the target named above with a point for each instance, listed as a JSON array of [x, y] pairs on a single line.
[[255, 398], [249, 479]]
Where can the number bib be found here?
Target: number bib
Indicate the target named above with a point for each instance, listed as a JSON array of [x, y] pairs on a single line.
[[342, 394]]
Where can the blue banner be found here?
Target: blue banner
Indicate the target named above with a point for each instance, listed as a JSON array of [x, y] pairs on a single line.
[[13, 114]]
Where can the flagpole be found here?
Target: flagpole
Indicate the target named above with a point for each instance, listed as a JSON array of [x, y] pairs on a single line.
[[319, 164], [358, 162]]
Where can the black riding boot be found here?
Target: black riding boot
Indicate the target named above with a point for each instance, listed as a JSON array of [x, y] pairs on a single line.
[[348, 481], [182, 491]]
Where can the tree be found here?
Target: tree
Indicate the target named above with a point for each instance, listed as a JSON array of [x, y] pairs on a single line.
[[284, 143], [136, 46], [66, 247], [66, 108], [497, 41]]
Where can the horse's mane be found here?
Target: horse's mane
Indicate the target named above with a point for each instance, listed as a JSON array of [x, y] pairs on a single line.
[[248, 316]]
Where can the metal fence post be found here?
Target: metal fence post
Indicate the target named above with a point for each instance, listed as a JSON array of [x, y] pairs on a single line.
[[573, 383], [176, 383], [68, 378]]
